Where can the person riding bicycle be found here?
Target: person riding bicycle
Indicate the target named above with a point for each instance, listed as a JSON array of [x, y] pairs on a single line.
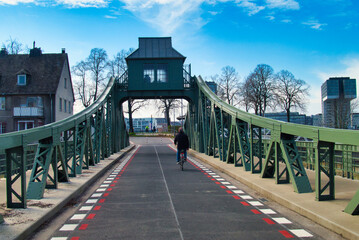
[[182, 142]]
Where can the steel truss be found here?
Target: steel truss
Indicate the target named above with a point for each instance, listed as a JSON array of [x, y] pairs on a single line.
[[64, 148]]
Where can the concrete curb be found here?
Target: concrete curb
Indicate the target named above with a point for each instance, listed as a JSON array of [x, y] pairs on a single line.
[[339, 229], [29, 230]]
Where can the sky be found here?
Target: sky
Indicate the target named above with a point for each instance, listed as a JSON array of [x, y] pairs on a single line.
[[313, 39]]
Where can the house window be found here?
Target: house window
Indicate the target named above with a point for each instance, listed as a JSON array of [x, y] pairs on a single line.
[[149, 73], [34, 102], [2, 127], [65, 82], [162, 73], [24, 124], [21, 80], [2, 103], [65, 106], [69, 106], [60, 104]]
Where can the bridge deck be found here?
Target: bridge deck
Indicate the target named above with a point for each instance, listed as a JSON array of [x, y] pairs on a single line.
[[153, 199]]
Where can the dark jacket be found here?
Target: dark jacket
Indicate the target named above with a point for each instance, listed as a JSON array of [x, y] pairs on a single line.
[[182, 141]]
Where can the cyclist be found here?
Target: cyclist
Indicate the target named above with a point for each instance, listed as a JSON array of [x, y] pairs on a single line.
[[182, 142]]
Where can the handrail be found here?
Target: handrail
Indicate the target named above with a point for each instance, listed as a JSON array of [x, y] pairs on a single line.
[[343, 136]]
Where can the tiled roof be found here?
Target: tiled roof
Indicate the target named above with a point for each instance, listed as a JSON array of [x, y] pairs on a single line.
[[155, 48], [43, 73]]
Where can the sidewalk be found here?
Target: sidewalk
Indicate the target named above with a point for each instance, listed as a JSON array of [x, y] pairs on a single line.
[[326, 213], [20, 223]]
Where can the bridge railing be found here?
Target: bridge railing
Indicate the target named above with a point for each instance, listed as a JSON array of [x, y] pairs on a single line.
[[62, 149], [237, 137]]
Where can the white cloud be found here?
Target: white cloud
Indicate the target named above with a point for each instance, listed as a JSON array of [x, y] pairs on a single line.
[[283, 4], [84, 3], [110, 17], [15, 2], [250, 6], [167, 15], [271, 18], [315, 24], [286, 21]]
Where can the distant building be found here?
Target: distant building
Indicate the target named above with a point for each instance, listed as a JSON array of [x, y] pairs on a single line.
[[337, 94], [295, 117], [212, 85], [354, 121], [36, 89], [317, 120]]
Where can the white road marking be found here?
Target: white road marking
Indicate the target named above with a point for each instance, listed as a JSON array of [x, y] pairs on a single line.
[[267, 211], [78, 216], [86, 208], [301, 233], [282, 220], [68, 227]]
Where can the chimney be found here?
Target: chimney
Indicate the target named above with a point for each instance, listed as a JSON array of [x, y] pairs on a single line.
[[63, 50], [3, 52], [34, 52]]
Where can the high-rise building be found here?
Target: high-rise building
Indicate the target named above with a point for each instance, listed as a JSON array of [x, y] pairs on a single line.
[[337, 93]]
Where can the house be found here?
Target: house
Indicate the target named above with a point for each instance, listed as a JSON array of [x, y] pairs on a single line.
[[35, 89]]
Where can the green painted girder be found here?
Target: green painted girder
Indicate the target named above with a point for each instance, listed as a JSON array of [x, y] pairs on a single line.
[[256, 149], [324, 153], [63, 175], [69, 147], [40, 169], [353, 206], [294, 165], [244, 145], [218, 129], [15, 163], [269, 167], [80, 142]]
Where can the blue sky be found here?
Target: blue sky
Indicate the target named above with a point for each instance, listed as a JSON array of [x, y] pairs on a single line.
[[314, 39]]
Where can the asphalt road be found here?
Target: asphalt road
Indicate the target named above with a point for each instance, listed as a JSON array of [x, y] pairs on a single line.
[[148, 197]]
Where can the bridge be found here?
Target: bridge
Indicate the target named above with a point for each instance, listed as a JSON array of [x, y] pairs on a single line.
[[62, 151]]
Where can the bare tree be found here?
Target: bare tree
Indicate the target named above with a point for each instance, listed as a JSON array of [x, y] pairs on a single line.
[[82, 87], [264, 76], [13, 46], [228, 85], [117, 66], [97, 63], [252, 92], [166, 105], [244, 96], [290, 92], [133, 106]]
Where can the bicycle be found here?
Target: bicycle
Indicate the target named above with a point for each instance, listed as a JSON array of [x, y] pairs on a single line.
[[182, 159]]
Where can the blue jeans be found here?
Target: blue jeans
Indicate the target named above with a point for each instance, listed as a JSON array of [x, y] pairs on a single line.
[[178, 155]]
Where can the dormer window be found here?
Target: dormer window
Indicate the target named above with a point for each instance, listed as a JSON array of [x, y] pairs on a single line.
[[21, 80]]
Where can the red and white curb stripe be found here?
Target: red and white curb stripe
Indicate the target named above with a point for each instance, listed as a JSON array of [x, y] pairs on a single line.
[[247, 200], [96, 198]]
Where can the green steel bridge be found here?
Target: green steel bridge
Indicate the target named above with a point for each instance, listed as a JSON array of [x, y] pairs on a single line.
[[58, 151]]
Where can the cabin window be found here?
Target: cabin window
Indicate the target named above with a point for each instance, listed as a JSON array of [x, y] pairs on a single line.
[[162, 73], [65, 106], [155, 73], [21, 80], [149, 73], [65, 83], [60, 104], [69, 106], [2, 103]]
